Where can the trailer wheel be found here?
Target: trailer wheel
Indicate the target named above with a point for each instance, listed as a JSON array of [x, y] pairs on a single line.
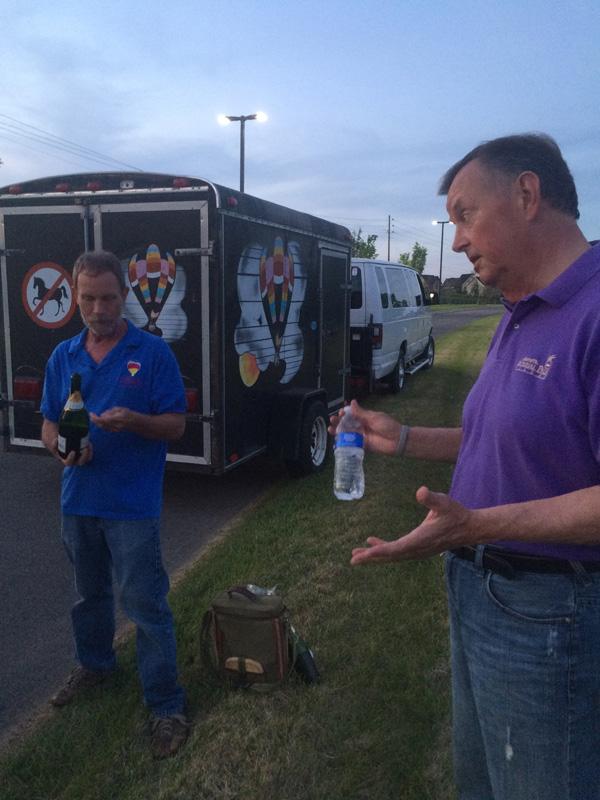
[[397, 375], [314, 447]]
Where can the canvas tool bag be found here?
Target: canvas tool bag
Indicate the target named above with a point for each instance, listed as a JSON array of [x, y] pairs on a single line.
[[247, 639]]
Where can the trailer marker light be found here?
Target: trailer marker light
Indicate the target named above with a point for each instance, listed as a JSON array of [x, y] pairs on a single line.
[[180, 183], [28, 389], [62, 187], [234, 458], [15, 189], [94, 186], [231, 201], [192, 400]]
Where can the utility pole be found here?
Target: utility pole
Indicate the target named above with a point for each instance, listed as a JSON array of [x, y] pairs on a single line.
[[389, 234], [442, 223]]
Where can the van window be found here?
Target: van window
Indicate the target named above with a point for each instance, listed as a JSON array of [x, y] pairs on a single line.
[[356, 294], [398, 290], [415, 291], [383, 290]]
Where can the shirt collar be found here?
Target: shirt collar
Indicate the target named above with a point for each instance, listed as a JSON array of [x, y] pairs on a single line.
[[568, 283]]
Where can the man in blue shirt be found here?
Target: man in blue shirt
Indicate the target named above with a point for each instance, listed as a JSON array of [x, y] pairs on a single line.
[[112, 492]]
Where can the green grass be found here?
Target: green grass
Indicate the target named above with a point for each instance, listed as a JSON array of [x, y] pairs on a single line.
[[377, 725]]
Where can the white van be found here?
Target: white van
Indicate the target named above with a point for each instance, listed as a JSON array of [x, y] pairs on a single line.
[[390, 324]]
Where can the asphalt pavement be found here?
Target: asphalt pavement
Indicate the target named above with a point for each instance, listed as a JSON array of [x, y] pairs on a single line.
[[447, 321]]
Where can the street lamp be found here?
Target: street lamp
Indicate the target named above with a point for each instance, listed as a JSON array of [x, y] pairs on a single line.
[[442, 223], [225, 120]]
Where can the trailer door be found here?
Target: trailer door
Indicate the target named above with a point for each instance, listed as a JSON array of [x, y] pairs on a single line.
[[334, 324], [163, 247], [38, 246]]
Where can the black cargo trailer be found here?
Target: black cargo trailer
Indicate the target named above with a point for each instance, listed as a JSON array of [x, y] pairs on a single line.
[[252, 298]]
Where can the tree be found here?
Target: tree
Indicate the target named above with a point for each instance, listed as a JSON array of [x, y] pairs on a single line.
[[362, 248], [417, 260]]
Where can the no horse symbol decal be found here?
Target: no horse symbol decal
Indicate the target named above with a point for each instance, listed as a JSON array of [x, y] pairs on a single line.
[[48, 295]]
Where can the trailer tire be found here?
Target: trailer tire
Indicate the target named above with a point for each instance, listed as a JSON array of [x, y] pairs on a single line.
[[313, 442]]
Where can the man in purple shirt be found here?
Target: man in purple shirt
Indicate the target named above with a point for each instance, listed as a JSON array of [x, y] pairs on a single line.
[[521, 525]]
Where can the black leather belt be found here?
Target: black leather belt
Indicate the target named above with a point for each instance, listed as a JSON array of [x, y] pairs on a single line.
[[506, 562]]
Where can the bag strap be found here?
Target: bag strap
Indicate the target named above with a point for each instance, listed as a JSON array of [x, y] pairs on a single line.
[[291, 642], [207, 643], [242, 590]]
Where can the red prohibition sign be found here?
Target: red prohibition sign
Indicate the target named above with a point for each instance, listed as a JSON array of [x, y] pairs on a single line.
[[47, 300]]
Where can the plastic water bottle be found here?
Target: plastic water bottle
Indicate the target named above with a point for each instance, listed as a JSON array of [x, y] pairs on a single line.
[[349, 477]]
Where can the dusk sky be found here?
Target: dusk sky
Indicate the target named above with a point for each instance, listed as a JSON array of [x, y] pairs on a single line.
[[368, 103]]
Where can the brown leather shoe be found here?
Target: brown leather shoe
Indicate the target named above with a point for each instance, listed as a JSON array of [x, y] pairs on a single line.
[[168, 734], [78, 680]]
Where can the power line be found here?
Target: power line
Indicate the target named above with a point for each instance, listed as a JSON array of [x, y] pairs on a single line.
[[422, 234], [44, 138], [39, 150]]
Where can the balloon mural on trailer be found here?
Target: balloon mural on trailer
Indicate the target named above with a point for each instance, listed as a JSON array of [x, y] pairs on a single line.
[[152, 279], [276, 287], [271, 289]]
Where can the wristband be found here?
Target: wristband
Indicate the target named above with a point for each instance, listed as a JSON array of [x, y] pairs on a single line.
[[402, 440]]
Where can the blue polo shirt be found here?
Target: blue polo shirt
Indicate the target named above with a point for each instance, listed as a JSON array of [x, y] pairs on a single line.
[[531, 424], [124, 478]]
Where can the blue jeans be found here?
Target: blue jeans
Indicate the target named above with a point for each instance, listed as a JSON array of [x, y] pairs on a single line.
[[525, 683], [95, 547]]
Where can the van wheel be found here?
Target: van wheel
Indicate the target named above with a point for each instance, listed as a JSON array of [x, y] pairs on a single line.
[[314, 445], [396, 378], [429, 353]]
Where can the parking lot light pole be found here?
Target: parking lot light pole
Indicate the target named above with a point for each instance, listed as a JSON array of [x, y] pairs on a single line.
[[223, 119], [442, 223]]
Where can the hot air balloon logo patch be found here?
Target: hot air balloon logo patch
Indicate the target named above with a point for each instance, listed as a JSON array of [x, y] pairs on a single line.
[[271, 287], [133, 367], [152, 279]]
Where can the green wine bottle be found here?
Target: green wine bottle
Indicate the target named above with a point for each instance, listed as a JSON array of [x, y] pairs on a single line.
[[74, 422]]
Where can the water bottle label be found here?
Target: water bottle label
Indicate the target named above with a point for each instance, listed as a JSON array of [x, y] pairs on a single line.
[[349, 439]]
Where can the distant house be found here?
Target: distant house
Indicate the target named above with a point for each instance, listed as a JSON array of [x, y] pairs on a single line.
[[468, 283]]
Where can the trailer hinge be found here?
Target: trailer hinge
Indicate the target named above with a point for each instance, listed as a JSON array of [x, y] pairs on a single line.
[[194, 251], [11, 252], [6, 403], [212, 417]]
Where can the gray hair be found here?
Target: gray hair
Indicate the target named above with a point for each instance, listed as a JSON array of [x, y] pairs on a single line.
[[528, 152], [96, 262]]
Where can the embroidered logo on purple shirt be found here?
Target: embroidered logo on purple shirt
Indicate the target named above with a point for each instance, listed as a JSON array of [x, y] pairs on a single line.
[[533, 367]]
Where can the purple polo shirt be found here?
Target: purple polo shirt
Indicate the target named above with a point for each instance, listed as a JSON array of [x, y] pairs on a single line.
[[531, 424]]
